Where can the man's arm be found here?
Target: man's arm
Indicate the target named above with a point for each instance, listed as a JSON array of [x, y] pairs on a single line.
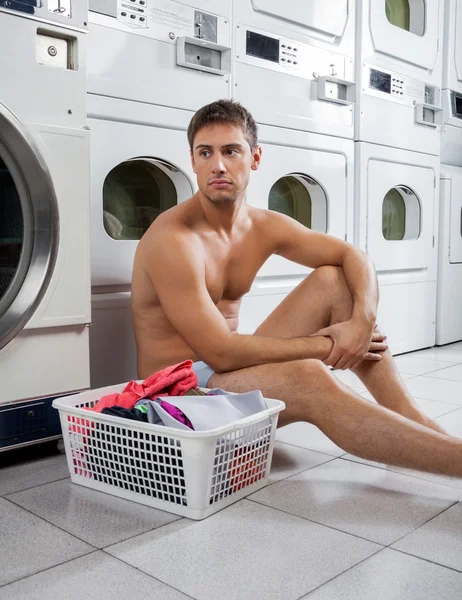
[[304, 246], [177, 271]]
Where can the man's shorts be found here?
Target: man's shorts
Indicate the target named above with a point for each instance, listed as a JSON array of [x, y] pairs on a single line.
[[203, 373]]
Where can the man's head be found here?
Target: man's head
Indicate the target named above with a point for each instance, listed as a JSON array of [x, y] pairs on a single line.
[[224, 148]]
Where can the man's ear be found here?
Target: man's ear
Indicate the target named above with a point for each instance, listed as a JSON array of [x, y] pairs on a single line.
[[256, 157], [192, 161]]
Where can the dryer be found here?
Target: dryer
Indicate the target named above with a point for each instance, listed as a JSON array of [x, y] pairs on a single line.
[[396, 223], [449, 314], [151, 64], [44, 215], [399, 73], [308, 177], [293, 63], [140, 167]]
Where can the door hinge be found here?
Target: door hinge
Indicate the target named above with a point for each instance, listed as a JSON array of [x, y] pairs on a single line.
[[434, 181], [433, 242]]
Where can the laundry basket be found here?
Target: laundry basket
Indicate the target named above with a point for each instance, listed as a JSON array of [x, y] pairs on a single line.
[[190, 473]]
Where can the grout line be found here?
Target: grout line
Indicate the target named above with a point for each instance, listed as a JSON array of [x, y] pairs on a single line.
[[433, 562], [50, 523], [148, 531], [342, 573], [384, 468], [33, 487], [48, 568], [421, 525], [249, 498], [148, 575], [311, 450]]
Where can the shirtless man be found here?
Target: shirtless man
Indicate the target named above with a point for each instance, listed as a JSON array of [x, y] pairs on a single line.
[[198, 259]]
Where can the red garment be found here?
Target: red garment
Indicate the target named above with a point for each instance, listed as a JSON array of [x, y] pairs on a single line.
[[171, 381]]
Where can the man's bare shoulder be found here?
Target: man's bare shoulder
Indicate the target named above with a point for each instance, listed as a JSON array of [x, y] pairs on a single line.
[[172, 234]]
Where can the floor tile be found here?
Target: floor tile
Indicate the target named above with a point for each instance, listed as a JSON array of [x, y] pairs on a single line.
[[420, 366], [308, 436], [96, 576], [439, 540], [433, 388], [452, 423], [453, 373], [246, 552], [376, 504], [431, 408], [33, 473], [29, 544], [289, 460], [390, 575], [451, 353], [349, 379], [99, 519], [455, 482]]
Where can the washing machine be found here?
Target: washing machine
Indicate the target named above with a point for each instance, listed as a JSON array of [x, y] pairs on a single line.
[[399, 51], [396, 223], [44, 215], [308, 177], [151, 64], [293, 63]]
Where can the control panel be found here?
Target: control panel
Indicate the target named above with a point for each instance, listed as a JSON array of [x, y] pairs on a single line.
[[394, 87], [277, 53], [71, 14]]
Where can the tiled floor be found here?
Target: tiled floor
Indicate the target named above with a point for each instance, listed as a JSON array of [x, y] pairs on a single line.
[[329, 525]]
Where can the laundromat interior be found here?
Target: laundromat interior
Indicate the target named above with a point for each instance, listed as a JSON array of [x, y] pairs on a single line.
[[358, 105]]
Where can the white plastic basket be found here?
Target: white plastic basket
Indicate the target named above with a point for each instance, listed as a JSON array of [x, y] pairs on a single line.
[[189, 473]]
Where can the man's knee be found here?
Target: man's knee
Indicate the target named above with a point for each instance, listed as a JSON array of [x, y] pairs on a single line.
[[331, 275], [311, 372]]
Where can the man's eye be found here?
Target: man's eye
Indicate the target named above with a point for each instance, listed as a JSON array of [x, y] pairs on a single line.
[[231, 151], [205, 153]]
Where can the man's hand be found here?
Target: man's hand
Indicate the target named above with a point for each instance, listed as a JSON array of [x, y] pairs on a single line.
[[353, 342]]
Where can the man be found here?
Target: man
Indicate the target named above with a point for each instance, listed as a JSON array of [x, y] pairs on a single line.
[[199, 258]]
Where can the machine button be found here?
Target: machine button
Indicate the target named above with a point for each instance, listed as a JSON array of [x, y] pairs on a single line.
[[142, 19], [295, 49], [295, 62], [289, 61], [142, 2], [124, 14], [283, 45], [132, 16], [289, 47], [283, 59]]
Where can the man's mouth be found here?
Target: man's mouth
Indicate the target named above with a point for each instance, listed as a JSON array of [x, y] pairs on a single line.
[[219, 183]]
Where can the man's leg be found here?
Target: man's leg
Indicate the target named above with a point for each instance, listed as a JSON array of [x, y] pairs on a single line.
[[312, 393], [324, 299]]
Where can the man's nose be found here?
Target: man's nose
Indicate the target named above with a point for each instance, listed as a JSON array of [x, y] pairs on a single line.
[[218, 165]]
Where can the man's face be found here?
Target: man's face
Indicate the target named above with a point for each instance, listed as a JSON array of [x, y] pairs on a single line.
[[222, 160]]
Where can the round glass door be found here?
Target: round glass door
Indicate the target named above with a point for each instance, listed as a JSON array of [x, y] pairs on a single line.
[[401, 215], [302, 198], [29, 227], [136, 192], [11, 230]]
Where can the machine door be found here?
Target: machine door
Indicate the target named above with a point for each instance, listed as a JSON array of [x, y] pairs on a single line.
[[134, 180], [406, 30], [400, 209], [454, 197], [307, 185], [28, 226], [322, 18]]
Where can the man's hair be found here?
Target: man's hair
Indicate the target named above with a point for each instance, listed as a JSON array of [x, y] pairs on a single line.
[[224, 111]]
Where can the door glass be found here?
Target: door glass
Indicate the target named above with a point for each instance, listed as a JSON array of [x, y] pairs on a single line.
[[393, 216], [11, 229], [398, 13], [290, 197], [401, 214], [134, 194]]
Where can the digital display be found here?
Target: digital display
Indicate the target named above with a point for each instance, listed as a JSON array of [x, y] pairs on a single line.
[[262, 46], [380, 81]]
